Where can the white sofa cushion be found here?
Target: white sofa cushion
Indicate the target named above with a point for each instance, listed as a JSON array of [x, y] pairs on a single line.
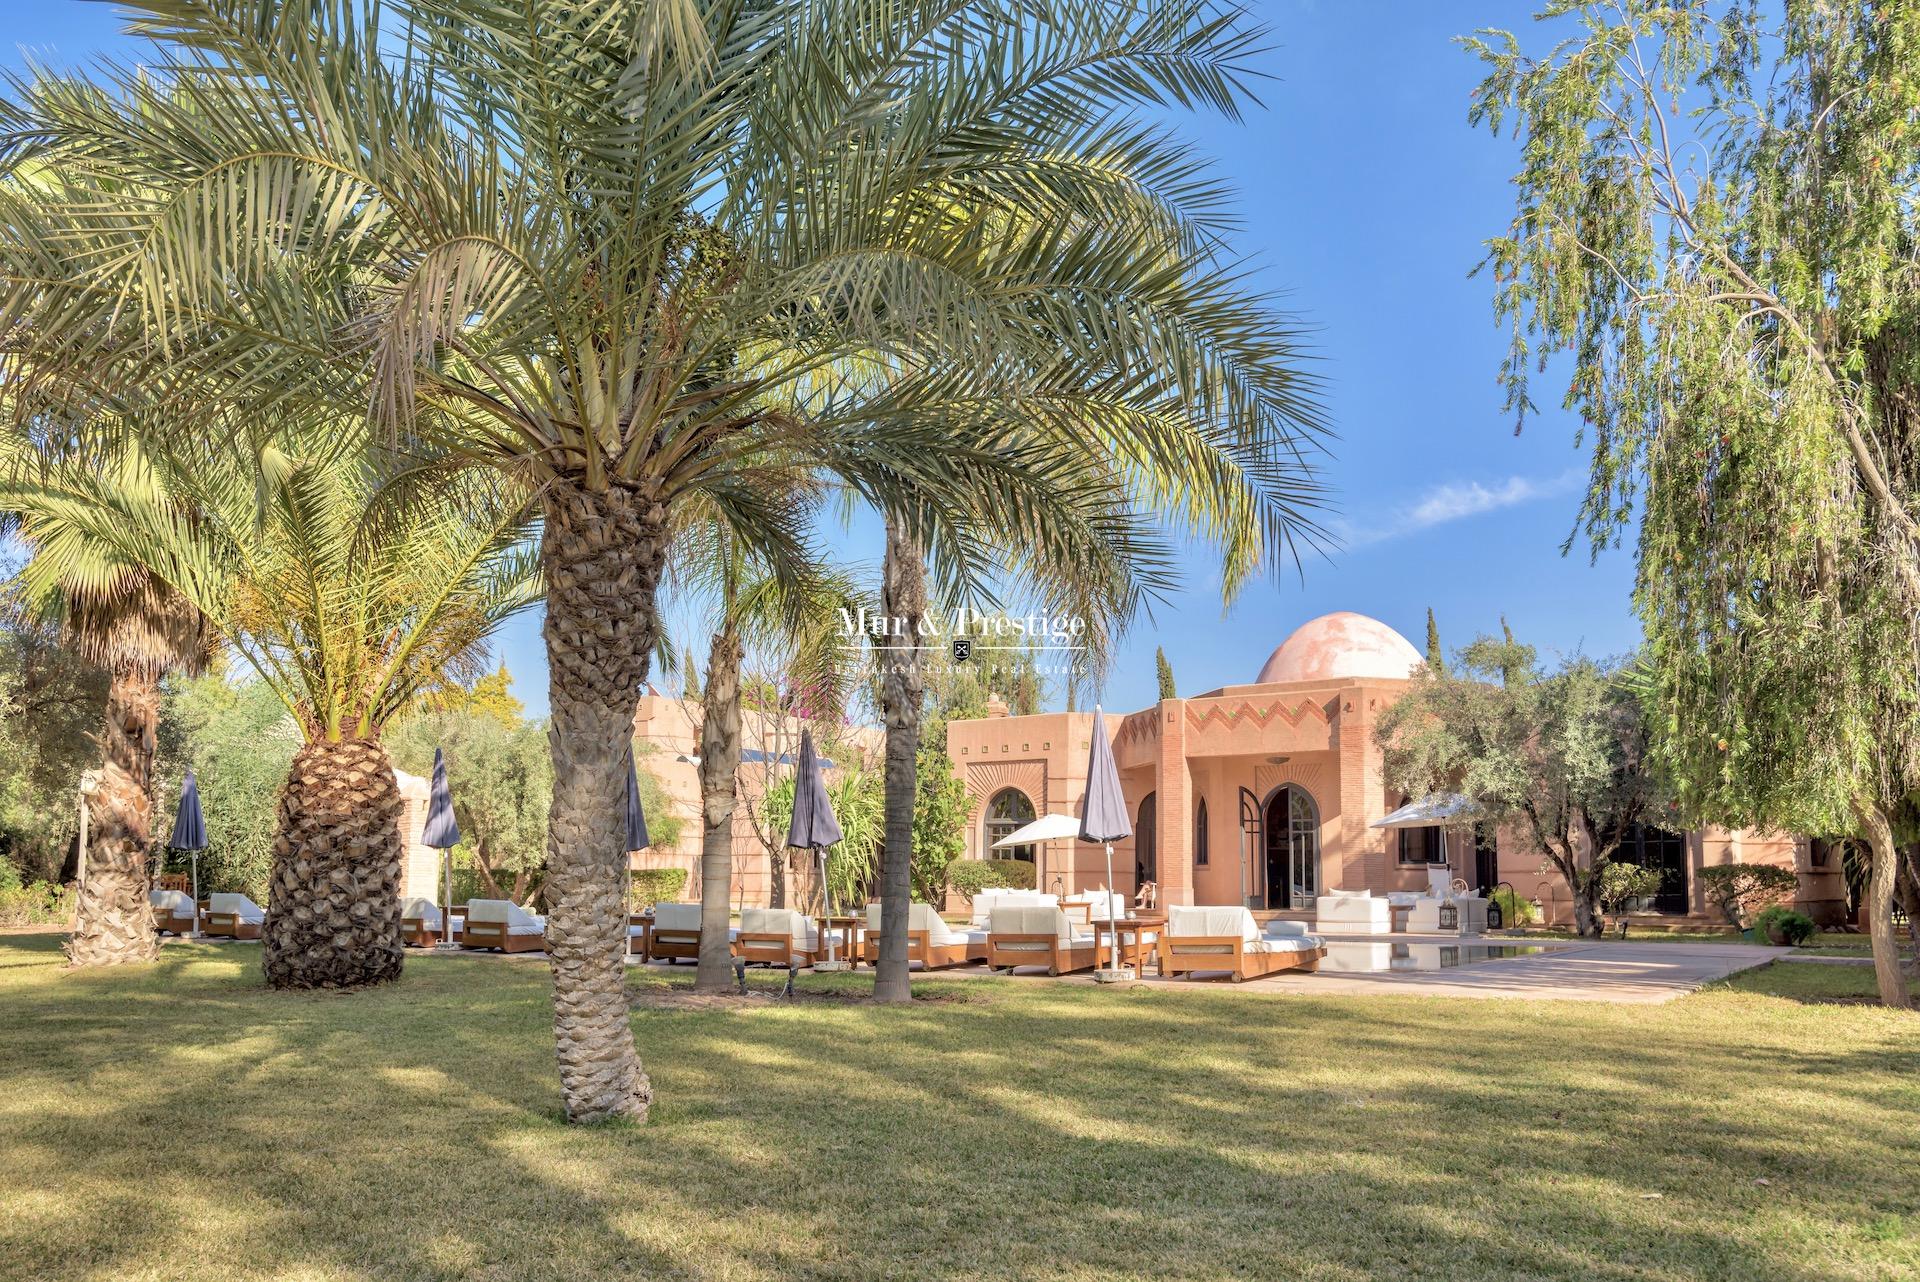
[[237, 904], [987, 900], [677, 919], [796, 926], [1036, 919], [171, 903], [425, 910], [1217, 921]]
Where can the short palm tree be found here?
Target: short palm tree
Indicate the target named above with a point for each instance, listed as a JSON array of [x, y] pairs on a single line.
[[605, 248], [347, 602], [797, 612]]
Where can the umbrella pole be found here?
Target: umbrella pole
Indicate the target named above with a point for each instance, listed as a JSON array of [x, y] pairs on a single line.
[[1113, 927], [826, 897], [196, 894]]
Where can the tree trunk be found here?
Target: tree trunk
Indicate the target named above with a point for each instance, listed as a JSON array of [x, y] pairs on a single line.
[[114, 923], [776, 877], [1882, 874], [602, 555], [719, 784], [333, 908], [904, 603]]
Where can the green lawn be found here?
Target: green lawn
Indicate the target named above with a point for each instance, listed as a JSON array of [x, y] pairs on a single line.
[[181, 1121]]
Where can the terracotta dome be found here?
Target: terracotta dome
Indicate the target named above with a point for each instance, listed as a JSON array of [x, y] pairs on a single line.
[[1341, 645]]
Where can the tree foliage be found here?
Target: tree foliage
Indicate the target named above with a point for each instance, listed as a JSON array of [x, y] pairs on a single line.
[[1556, 758], [501, 778], [1715, 221], [49, 708], [1163, 672], [239, 741]]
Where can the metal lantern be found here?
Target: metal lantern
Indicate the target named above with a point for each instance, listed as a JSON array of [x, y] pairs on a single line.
[[1495, 918], [1449, 915]]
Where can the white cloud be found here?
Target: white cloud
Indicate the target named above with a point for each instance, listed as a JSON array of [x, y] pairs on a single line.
[[1457, 500]]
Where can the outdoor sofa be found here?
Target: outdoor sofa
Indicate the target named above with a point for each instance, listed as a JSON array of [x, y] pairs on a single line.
[[420, 923], [931, 942], [174, 911], [676, 933], [1228, 939], [231, 915], [503, 925], [776, 937], [1352, 912], [1038, 935]]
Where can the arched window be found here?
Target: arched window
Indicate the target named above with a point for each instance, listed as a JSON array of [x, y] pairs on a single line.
[[1200, 834], [1007, 812]]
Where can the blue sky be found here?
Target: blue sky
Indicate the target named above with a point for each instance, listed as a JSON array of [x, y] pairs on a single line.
[[1365, 200]]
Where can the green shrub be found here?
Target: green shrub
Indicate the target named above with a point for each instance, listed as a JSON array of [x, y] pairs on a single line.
[[1740, 889], [33, 903], [657, 886], [1784, 923], [971, 876], [1514, 910], [1622, 884]]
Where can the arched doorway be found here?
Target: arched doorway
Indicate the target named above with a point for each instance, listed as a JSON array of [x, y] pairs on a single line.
[[1293, 848], [1146, 858], [1009, 811]]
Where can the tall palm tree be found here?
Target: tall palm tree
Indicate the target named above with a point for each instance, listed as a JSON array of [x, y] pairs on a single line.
[[605, 248], [348, 599]]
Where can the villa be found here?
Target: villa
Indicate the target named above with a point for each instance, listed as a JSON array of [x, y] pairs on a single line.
[[1266, 794]]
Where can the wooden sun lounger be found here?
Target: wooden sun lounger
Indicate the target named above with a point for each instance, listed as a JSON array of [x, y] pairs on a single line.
[[922, 949], [1059, 958], [769, 948], [1229, 953], [229, 926], [495, 934]]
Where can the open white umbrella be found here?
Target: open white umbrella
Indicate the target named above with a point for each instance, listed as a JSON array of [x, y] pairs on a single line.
[[1042, 830], [1435, 810]]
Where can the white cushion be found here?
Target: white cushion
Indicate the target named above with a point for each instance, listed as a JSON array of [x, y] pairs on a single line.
[[425, 910], [239, 905], [1346, 894], [987, 900], [490, 911], [1279, 927], [1216, 921], [1034, 919], [171, 903], [1284, 944], [797, 927], [677, 918]]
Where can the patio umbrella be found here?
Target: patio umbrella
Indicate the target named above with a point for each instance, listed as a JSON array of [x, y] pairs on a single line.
[[442, 834], [1436, 810], [1103, 813], [1041, 831], [813, 826], [637, 836], [190, 834]]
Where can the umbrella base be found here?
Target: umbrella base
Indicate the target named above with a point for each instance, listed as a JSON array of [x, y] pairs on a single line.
[[444, 947], [1120, 975], [828, 967]]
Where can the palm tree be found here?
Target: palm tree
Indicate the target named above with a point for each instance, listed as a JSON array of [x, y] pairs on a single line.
[[348, 597], [796, 612], [607, 250]]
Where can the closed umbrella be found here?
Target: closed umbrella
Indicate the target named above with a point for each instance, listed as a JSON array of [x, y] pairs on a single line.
[[1103, 813], [637, 838], [813, 826], [190, 834], [442, 833]]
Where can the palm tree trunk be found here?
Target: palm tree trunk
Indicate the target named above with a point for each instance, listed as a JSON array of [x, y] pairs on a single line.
[[601, 555], [1883, 872], [114, 923], [333, 909], [903, 600], [719, 783]]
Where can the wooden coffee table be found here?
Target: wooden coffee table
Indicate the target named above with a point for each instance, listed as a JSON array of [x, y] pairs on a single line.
[[1133, 952], [846, 945]]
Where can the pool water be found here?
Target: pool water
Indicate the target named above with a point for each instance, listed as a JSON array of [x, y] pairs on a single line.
[[1368, 957]]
